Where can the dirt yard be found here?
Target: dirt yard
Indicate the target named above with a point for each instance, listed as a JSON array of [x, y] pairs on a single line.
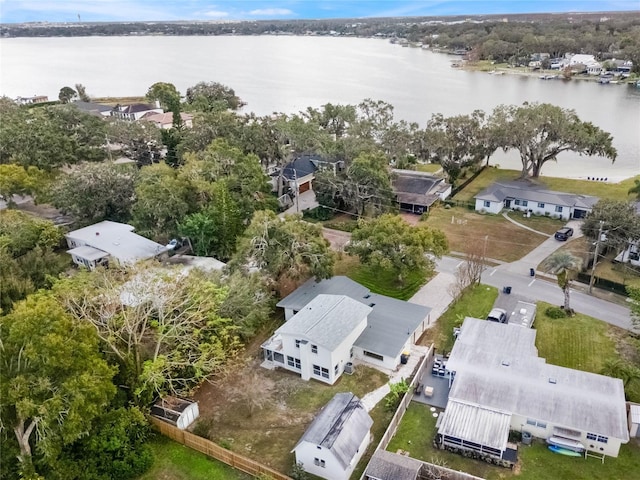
[[263, 413]]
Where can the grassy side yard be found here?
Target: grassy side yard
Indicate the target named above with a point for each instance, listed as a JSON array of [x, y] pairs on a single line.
[[504, 240], [614, 191], [379, 281], [173, 461], [429, 167], [585, 343], [476, 302]]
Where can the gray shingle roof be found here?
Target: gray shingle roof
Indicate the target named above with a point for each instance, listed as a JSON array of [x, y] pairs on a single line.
[[385, 465], [301, 166], [498, 192], [502, 373], [416, 188], [389, 321], [326, 320], [340, 427]]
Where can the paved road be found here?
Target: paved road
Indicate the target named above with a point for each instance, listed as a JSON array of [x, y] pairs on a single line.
[[538, 289]]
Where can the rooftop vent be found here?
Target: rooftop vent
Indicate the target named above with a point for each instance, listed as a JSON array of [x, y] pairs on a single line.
[[505, 363], [372, 304], [367, 296], [553, 380]]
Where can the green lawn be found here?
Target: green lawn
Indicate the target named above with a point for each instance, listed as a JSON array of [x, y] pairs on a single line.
[[173, 461], [380, 281], [585, 343], [429, 167], [476, 302], [614, 191]]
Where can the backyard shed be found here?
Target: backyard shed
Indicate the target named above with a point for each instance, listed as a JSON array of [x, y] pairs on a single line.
[[634, 420], [176, 411]]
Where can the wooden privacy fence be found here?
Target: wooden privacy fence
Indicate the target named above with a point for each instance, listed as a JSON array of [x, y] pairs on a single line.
[[214, 450]]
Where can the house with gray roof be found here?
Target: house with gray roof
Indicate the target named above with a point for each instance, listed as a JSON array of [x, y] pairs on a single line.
[[501, 384], [336, 439], [106, 242], [386, 465], [332, 322], [533, 199], [416, 191], [300, 172]]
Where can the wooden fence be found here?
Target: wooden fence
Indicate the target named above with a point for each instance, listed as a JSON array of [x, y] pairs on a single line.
[[214, 450]]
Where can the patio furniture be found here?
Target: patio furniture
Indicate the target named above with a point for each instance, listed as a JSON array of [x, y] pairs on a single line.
[[428, 391]]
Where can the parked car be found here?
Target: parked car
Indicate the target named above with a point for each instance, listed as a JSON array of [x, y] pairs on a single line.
[[497, 315], [563, 234]]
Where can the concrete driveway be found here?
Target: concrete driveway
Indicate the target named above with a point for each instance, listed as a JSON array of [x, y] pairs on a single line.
[[542, 251]]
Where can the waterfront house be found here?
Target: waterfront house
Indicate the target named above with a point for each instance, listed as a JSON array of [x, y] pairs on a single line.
[[416, 192], [93, 108], [164, 120], [134, 111], [336, 439], [32, 100], [533, 199], [300, 173], [499, 383]]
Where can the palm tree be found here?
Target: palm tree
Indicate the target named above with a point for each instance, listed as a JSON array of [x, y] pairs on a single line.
[[635, 189], [619, 369], [564, 266]]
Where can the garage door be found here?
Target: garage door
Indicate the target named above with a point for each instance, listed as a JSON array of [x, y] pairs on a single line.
[[304, 187]]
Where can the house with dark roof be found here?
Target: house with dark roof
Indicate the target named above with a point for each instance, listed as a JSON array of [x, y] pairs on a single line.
[[386, 465], [336, 439], [416, 191], [501, 384], [134, 111], [300, 173], [332, 322], [534, 199], [93, 108]]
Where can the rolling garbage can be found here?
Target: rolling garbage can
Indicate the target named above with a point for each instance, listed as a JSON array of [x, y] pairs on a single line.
[[526, 438], [506, 290], [532, 272]]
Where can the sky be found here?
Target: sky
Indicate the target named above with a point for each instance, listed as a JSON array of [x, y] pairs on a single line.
[[17, 11]]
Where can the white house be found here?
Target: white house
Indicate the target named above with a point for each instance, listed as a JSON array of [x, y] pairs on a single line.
[[107, 241], [134, 111], [582, 59], [331, 322], [501, 384], [336, 439], [528, 197]]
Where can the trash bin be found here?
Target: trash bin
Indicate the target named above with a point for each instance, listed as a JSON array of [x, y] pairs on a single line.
[[506, 290], [526, 438], [532, 272]]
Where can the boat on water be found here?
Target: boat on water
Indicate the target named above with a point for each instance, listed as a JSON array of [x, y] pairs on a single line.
[[548, 77], [564, 451]]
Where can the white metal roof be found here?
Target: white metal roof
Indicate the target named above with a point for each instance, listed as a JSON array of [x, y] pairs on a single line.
[[512, 378], [635, 413], [489, 428], [118, 240], [88, 253]]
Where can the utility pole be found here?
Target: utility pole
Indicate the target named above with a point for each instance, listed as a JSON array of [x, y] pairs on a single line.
[[295, 179], [595, 257]]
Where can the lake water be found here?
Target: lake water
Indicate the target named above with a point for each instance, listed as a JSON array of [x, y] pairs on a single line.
[[287, 74]]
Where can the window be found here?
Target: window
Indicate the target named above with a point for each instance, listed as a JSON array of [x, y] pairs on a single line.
[[325, 372], [316, 370], [335, 369], [374, 355], [517, 202], [558, 209], [293, 362], [278, 357], [536, 423], [597, 438], [487, 203], [525, 203], [319, 462], [314, 349], [540, 205], [297, 343]]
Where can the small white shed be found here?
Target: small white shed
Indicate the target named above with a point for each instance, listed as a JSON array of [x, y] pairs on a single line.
[[176, 411]]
